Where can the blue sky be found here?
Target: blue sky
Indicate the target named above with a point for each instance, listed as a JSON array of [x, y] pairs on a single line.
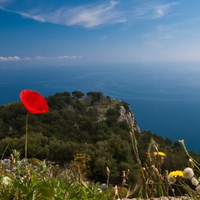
[[67, 32]]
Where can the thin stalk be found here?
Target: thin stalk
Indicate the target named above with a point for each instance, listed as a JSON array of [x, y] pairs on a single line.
[[107, 183], [108, 175], [134, 145], [196, 164], [137, 157], [26, 136], [4, 151]]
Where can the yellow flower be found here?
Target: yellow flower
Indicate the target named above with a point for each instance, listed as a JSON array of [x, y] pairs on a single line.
[[160, 154], [176, 173]]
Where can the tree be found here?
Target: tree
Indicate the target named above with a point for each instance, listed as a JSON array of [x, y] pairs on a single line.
[[77, 94], [96, 96]]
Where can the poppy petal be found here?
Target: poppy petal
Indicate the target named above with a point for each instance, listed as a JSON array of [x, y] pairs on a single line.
[[34, 102]]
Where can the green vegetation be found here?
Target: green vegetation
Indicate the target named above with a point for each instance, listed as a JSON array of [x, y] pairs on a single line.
[[39, 180], [77, 94], [88, 136]]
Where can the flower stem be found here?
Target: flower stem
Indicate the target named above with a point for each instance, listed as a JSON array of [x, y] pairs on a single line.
[[196, 164], [26, 136]]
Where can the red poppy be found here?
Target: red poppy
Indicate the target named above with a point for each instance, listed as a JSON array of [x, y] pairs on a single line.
[[34, 102]]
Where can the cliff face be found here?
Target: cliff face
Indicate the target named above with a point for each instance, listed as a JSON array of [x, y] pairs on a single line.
[[125, 116], [104, 103], [128, 117]]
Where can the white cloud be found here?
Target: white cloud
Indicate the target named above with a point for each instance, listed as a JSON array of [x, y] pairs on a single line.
[[27, 58], [10, 58], [151, 11], [93, 15], [40, 58], [85, 15], [122, 20], [58, 57], [17, 58], [161, 10], [66, 57]]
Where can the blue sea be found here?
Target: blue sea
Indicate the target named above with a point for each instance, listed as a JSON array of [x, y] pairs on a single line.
[[165, 99]]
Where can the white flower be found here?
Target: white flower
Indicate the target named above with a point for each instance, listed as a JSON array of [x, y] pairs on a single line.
[[6, 180], [171, 179], [188, 173], [198, 189], [194, 181], [6, 163]]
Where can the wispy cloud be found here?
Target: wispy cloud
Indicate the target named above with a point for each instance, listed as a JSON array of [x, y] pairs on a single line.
[[152, 10], [105, 37], [161, 33], [17, 58], [89, 16], [162, 10]]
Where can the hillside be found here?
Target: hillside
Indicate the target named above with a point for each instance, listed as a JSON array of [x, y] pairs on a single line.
[[91, 124]]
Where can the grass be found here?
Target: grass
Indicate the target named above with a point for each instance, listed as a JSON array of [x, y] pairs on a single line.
[[30, 181]]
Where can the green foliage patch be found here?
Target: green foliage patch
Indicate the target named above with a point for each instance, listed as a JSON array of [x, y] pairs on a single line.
[[84, 124]]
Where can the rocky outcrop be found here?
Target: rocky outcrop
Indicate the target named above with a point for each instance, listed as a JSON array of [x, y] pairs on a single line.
[[128, 117], [125, 116]]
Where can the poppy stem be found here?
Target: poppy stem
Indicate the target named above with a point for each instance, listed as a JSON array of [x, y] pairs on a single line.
[[26, 136]]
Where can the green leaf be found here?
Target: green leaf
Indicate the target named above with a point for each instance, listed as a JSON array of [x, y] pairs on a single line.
[[47, 191]]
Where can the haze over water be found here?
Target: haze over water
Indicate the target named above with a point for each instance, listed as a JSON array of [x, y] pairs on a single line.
[[164, 99]]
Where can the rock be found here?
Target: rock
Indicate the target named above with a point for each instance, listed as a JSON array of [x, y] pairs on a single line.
[[124, 116]]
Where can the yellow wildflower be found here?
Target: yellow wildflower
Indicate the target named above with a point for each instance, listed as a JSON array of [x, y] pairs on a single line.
[[159, 153], [176, 173]]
